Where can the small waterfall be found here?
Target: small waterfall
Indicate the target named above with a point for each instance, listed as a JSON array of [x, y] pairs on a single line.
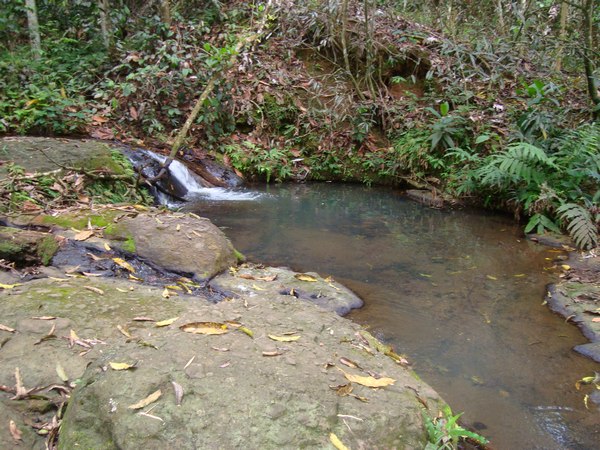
[[189, 186]]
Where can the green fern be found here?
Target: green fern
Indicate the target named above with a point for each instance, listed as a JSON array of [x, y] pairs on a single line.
[[580, 225]]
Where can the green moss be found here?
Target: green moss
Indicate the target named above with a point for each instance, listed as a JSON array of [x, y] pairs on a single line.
[[239, 256], [9, 248], [46, 249], [80, 221], [112, 161], [129, 245]]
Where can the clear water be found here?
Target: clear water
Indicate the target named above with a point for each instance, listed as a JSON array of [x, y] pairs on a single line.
[[460, 293]]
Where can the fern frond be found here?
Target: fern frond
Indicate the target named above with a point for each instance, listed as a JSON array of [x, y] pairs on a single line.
[[580, 225]]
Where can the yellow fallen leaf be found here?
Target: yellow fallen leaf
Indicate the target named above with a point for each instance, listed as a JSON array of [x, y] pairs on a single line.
[[249, 332], [123, 331], [519, 275], [305, 277], [167, 322], [204, 328], [124, 264], [369, 381], [9, 286], [258, 288], [140, 208], [134, 278], [491, 277], [120, 366], [566, 267], [145, 402], [284, 338], [60, 371], [107, 247], [83, 235], [337, 443], [174, 288], [426, 275], [94, 289]]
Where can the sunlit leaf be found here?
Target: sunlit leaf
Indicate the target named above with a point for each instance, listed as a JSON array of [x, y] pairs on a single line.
[[5, 328], [204, 328], [94, 289], [566, 267], [124, 264], [258, 288], [60, 371], [120, 366], [166, 322], [14, 431], [369, 381], [519, 275], [83, 235], [284, 338], [305, 277], [426, 275], [337, 443], [148, 400], [107, 247], [247, 331], [491, 277]]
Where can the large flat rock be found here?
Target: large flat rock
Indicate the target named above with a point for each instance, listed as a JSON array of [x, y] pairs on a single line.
[[238, 390]]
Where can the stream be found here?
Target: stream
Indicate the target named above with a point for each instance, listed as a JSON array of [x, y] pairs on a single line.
[[460, 293]]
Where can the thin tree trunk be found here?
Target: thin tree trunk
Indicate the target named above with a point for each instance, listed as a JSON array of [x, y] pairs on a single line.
[[345, 49], [588, 51], [165, 12], [104, 26], [34, 28], [369, 69], [500, 16], [562, 34]]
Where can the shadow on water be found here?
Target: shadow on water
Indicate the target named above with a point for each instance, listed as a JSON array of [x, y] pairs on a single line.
[[460, 293]]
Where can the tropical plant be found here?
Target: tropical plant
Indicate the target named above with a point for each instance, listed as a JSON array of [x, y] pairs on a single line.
[[444, 432]]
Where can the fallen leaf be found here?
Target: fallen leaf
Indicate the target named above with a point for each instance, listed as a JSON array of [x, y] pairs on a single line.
[[107, 247], [254, 286], [349, 363], [94, 289], [284, 338], [124, 264], [167, 322], [14, 431], [305, 277], [60, 371], [204, 328], [133, 277], [143, 319], [272, 353], [43, 317], [89, 274], [121, 366], [596, 319], [246, 276], [491, 277], [426, 275], [145, 402], [50, 335], [337, 443], [369, 381], [9, 286], [178, 392], [220, 349], [519, 275], [123, 331], [5, 328], [267, 278], [83, 235], [165, 293], [566, 267], [247, 331]]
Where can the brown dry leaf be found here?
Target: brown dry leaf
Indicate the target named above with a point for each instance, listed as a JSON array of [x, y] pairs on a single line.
[[167, 322], [349, 363], [337, 443], [145, 402], [204, 328], [369, 381], [14, 431], [6, 328], [272, 353], [268, 278], [284, 338], [305, 277], [246, 276], [343, 389], [94, 289], [124, 264], [178, 392], [83, 235], [121, 366], [50, 335]]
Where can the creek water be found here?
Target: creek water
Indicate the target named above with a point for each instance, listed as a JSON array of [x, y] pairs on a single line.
[[459, 293]]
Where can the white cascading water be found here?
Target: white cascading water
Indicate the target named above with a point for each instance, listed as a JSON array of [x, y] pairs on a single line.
[[187, 178]]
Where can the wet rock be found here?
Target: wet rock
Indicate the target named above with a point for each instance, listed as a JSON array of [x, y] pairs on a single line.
[[281, 284], [425, 197], [27, 247], [234, 398]]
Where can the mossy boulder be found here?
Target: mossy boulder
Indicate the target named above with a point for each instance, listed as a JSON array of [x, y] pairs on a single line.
[[27, 247]]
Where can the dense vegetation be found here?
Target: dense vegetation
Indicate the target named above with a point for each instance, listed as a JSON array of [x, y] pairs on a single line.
[[495, 102]]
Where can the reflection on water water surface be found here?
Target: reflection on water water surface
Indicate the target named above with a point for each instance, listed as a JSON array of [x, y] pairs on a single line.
[[460, 293]]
